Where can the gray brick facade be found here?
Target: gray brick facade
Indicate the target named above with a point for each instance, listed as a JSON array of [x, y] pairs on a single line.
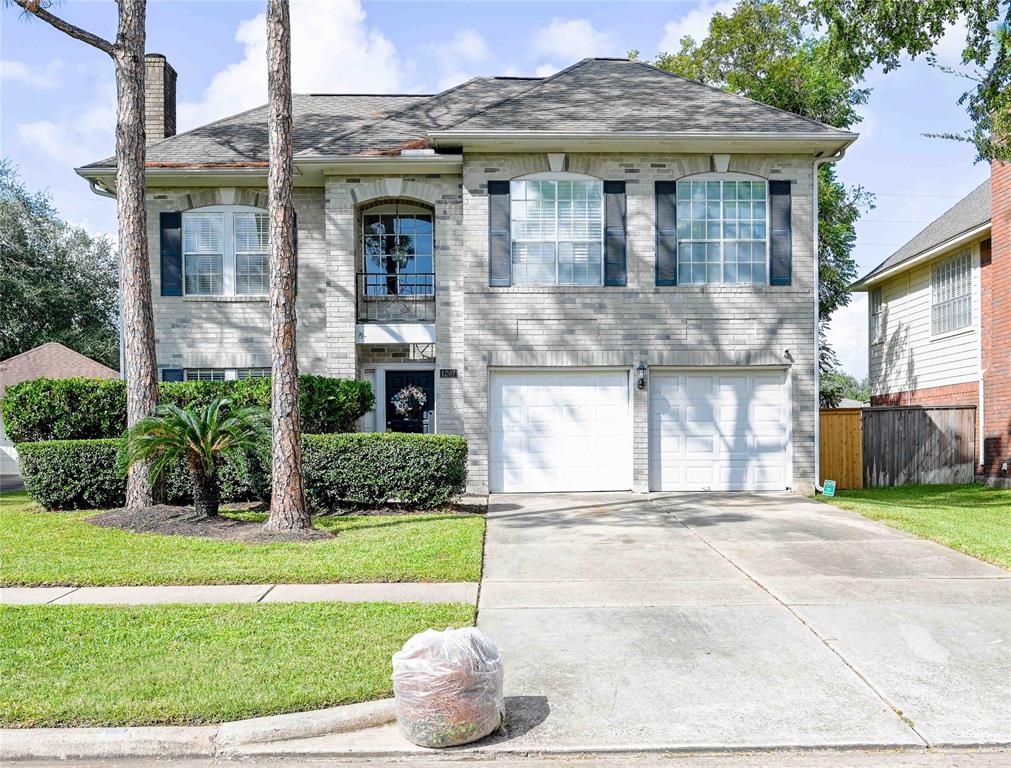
[[479, 328]]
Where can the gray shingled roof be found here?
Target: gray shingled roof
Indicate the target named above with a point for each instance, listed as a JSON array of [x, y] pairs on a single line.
[[619, 95], [970, 212], [605, 95], [243, 137]]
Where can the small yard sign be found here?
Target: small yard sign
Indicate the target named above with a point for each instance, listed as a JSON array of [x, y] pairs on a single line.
[[830, 487]]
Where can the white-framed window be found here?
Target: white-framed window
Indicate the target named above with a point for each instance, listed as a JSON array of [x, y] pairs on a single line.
[[252, 373], [225, 251], [951, 293], [722, 230], [877, 318], [398, 250], [204, 374], [557, 230]]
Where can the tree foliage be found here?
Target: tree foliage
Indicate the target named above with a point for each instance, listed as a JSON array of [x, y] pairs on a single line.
[[57, 282], [864, 33], [766, 50], [838, 385]]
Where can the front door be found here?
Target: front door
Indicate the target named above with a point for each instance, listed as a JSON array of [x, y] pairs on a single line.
[[410, 401]]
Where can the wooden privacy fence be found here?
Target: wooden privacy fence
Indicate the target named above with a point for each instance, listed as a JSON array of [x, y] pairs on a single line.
[[909, 445], [918, 445], [841, 450]]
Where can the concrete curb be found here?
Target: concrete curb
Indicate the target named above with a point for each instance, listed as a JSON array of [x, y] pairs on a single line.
[[188, 741], [304, 725], [95, 743]]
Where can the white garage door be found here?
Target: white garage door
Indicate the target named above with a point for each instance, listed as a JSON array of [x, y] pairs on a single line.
[[560, 430], [719, 431]]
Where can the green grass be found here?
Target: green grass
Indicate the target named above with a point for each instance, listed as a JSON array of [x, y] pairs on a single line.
[[970, 518], [61, 548], [102, 665]]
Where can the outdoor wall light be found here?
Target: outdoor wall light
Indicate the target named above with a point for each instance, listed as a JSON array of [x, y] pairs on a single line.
[[640, 375]]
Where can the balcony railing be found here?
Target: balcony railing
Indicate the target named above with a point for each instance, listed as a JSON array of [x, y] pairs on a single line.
[[407, 298]]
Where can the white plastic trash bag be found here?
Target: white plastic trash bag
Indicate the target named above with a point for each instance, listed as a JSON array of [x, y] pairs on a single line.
[[448, 687]]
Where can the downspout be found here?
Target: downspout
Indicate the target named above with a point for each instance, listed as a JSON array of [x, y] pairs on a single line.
[[102, 192], [818, 163]]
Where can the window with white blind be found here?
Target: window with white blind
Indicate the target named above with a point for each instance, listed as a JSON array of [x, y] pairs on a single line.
[[557, 226], [252, 373], [204, 374], [951, 294], [225, 251], [722, 231], [877, 324]]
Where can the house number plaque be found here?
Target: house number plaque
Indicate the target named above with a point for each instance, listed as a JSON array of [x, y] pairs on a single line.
[[447, 373]]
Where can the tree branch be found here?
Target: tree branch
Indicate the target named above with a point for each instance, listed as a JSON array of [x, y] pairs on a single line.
[[34, 7]]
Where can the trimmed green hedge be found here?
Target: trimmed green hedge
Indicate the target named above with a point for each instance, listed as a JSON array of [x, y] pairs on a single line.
[[362, 470], [370, 469], [88, 409]]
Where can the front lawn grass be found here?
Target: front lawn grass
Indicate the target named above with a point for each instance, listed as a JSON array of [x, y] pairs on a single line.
[[40, 548], [76, 665], [970, 518]]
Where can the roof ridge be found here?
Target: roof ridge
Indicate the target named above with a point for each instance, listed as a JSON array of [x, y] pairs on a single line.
[[369, 95], [403, 111], [542, 81], [737, 95]]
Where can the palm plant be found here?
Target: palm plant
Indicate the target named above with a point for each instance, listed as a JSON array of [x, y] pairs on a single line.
[[200, 437]]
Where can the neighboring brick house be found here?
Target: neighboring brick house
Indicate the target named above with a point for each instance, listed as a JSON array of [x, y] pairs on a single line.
[[940, 318], [47, 361], [605, 279]]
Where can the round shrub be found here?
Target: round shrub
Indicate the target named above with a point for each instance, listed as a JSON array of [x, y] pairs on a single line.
[[73, 474]]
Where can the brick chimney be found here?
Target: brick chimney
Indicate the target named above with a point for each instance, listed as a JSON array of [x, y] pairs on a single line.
[[995, 260], [159, 97]]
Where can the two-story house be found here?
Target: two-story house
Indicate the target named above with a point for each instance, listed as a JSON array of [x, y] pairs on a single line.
[[605, 278], [940, 319]]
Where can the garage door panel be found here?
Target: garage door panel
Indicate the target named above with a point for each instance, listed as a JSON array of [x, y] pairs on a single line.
[[725, 431], [558, 430]]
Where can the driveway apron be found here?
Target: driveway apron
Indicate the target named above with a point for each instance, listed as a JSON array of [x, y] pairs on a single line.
[[737, 620]]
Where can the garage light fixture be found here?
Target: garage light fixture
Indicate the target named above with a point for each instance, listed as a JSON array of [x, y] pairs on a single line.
[[640, 375]]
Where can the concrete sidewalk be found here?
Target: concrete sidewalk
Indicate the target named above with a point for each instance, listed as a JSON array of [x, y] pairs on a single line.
[[409, 592]]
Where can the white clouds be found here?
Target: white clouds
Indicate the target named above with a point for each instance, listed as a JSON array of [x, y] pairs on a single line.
[[45, 77], [694, 24], [847, 334], [566, 41], [80, 136], [333, 51], [458, 56]]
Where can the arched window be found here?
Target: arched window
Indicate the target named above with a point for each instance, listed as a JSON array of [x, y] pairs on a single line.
[[722, 222], [225, 251], [557, 228], [398, 249]]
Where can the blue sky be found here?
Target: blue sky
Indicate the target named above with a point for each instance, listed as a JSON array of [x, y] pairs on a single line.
[[57, 94]]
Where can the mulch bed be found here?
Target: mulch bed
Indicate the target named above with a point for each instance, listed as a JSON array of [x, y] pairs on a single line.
[[184, 521]]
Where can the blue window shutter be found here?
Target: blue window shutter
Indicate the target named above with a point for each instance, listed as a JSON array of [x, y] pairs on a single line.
[[171, 374], [171, 223], [781, 234], [499, 254], [615, 212], [666, 233]]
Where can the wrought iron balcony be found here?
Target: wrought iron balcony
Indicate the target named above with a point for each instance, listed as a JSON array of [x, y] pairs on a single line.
[[387, 298]]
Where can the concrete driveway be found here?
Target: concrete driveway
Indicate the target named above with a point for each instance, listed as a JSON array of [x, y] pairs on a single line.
[[732, 621]]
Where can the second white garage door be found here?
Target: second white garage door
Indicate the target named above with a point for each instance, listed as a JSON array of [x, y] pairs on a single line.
[[719, 430], [559, 430]]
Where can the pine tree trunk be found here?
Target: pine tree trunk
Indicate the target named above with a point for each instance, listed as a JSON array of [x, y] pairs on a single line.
[[141, 370], [287, 502], [206, 494]]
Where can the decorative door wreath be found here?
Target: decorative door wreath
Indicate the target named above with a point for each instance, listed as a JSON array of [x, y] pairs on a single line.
[[409, 399]]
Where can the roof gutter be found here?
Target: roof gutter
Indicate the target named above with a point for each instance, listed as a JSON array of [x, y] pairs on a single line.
[[866, 283], [818, 163]]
